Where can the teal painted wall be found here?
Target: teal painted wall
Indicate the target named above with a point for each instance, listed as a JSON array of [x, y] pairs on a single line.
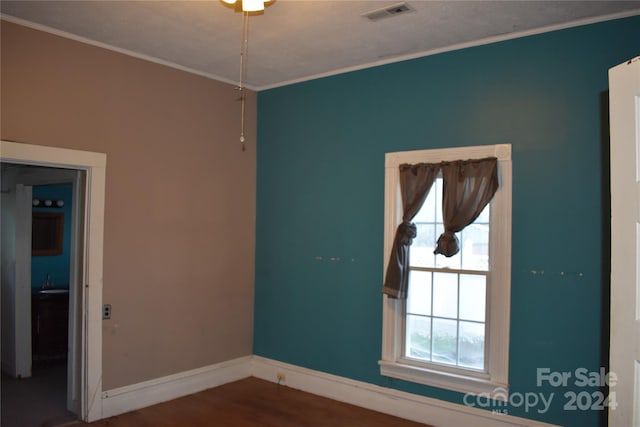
[[321, 196], [55, 265]]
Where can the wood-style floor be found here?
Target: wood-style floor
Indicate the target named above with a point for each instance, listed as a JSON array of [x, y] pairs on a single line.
[[253, 403]]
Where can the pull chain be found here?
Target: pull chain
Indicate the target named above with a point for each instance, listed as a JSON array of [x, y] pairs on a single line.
[[244, 54]]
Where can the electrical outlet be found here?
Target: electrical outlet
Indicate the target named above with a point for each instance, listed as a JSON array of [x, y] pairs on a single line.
[[106, 312], [281, 377]]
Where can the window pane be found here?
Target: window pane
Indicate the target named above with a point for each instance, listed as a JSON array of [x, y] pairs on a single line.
[[419, 298], [418, 337], [445, 341], [474, 245], [484, 215], [421, 252], [421, 257], [426, 236], [445, 295], [473, 293], [427, 212], [444, 262], [471, 345]]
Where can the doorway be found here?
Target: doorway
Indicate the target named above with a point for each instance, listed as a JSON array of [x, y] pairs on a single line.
[[42, 223], [88, 383]]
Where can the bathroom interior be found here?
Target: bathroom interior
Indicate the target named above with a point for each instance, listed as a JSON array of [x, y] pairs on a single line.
[[40, 396], [50, 261]]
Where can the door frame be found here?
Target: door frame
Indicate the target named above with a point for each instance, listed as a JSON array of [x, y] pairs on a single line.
[[94, 165]]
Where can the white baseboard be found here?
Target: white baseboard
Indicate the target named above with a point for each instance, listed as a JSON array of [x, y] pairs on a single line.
[[140, 395], [389, 401]]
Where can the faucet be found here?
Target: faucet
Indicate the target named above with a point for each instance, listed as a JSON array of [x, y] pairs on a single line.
[[46, 284]]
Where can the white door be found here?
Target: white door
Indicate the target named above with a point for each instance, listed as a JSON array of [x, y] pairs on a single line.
[[624, 108], [16, 279]]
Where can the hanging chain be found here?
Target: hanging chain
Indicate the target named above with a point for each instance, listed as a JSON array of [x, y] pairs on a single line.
[[244, 54]]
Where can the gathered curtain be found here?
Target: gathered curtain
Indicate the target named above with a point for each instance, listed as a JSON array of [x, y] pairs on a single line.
[[468, 186], [415, 183]]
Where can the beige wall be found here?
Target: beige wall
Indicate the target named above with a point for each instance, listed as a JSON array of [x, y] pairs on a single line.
[[180, 195]]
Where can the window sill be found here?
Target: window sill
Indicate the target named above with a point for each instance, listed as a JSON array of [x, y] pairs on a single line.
[[445, 380]]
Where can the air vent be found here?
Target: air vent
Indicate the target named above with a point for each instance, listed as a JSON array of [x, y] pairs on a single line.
[[389, 11]]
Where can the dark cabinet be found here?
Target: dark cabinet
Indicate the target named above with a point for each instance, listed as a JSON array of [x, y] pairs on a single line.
[[49, 323]]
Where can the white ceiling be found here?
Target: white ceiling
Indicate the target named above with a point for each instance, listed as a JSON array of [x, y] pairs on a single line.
[[296, 40]]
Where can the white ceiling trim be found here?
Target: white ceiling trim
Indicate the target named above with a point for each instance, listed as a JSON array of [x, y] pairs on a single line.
[[394, 59]]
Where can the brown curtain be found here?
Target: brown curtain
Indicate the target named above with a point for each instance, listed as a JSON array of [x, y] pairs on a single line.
[[415, 183], [468, 187]]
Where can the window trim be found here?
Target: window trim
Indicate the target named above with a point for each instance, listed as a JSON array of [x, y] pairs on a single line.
[[495, 382]]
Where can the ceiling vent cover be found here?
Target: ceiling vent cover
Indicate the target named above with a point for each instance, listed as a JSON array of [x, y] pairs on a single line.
[[389, 11]]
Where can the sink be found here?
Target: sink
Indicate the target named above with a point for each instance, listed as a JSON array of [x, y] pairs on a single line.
[[53, 291]]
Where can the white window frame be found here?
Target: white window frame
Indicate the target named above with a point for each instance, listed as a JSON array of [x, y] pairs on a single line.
[[495, 382]]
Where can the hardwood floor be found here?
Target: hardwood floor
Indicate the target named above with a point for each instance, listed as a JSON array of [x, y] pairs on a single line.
[[251, 403]]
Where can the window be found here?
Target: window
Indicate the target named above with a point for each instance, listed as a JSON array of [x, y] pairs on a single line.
[[452, 331]]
